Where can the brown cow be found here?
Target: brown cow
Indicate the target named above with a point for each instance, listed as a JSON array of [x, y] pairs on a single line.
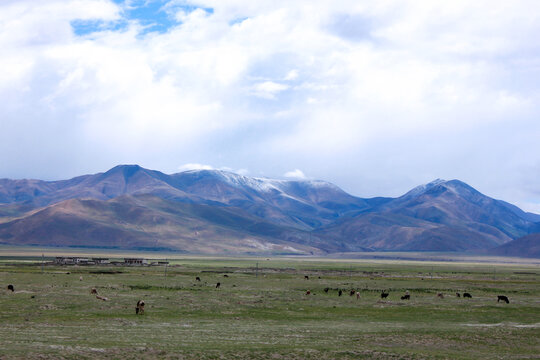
[[140, 307]]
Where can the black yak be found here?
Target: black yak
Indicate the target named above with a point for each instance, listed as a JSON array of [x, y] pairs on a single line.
[[10, 287], [503, 298], [467, 295], [406, 297]]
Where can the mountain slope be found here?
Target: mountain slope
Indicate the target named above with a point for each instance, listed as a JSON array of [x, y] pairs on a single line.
[[526, 246], [455, 203], [439, 216], [148, 222], [302, 204]]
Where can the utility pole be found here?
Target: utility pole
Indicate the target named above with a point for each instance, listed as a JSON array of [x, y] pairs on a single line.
[[166, 263]]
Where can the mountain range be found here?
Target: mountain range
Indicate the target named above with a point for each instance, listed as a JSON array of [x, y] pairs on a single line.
[[219, 212]]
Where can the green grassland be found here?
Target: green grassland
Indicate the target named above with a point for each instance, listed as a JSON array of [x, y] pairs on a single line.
[[261, 310]]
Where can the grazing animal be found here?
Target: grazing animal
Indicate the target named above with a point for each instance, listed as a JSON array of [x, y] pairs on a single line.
[[357, 295], [467, 295], [352, 293], [197, 279], [306, 277], [440, 295], [406, 297], [308, 292], [384, 295], [340, 293], [139, 309], [503, 298], [326, 290], [225, 275], [218, 285], [10, 287], [80, 278], [101, 298], [458, 295], [93, 291]]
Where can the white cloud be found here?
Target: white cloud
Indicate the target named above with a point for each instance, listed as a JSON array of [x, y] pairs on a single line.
[[187, 167], [268, 89], [295, 174], [291, 75]]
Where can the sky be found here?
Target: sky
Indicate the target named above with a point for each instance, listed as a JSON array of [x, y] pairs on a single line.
[[374, 96]]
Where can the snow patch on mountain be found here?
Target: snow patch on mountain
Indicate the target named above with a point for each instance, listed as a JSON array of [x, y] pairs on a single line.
[[264, 184], [420, 189]]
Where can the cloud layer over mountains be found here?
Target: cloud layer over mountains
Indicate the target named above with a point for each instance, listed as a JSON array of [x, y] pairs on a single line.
[[374, 96]]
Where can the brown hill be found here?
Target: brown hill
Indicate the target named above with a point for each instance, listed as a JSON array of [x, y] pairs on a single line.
[[148, 222], [526, 246]]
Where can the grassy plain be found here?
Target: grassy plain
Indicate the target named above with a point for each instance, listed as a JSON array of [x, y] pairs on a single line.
[[262, 311]]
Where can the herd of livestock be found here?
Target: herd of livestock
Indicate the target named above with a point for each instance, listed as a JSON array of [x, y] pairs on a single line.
[[139, 308]]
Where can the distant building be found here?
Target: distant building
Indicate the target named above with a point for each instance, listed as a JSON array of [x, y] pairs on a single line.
[[135, 261], [100, 261], [159, 263], [71, 260]]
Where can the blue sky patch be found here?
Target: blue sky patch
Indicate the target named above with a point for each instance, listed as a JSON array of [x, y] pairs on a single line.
[[153, 15], [238, 21]]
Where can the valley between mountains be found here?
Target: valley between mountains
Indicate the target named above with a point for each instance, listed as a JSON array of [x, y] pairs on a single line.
[[219, 212]]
